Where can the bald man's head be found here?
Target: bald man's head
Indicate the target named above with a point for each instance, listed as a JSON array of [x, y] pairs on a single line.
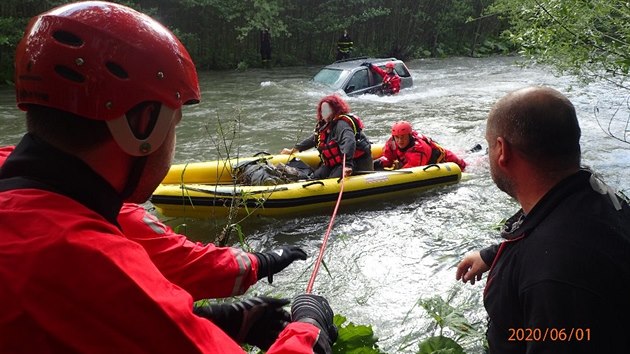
[[541, 124]]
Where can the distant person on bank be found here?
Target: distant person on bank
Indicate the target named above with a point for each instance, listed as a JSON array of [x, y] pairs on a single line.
[[345, 46], [406, 148], [265, 47], [337, 132]]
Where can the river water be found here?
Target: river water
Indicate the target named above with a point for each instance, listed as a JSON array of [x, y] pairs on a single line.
[[382, 259]]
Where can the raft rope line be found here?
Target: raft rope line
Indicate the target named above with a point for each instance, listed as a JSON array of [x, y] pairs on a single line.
[[311, 281]]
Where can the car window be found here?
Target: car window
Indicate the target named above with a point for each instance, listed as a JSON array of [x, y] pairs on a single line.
[[376, 78], [331, 77], [401, 70], [358, 81]]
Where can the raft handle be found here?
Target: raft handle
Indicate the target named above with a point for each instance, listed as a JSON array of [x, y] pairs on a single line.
[[431, 165], [312, 183]]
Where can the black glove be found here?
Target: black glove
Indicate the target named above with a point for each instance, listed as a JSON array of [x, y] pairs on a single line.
[[365, 63], [315, 310], [270, 263], [257, 321], [378, 165]]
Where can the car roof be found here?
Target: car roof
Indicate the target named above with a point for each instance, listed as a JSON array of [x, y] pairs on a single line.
[[351, 63]]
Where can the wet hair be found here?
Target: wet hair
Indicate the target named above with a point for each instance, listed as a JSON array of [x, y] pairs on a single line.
[[541, 123], [337, 104]]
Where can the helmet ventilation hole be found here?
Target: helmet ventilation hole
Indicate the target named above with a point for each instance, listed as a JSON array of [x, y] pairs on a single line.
[[69, 74], [117, 70], [68, 38]]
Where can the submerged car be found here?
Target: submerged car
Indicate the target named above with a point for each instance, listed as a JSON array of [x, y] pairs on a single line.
[[355, 79]]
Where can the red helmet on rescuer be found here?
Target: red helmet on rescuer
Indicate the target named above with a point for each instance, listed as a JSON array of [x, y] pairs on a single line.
[[98, 60], [390, 65], [401, 128]]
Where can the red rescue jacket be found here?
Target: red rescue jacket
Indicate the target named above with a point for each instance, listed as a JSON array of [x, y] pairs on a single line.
[[72, 282], [391, 82], [421, 151], [205, 271]]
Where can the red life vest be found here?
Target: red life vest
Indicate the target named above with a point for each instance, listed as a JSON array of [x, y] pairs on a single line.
[[419, 144], [438, 154], [329, 149], [391, 84]]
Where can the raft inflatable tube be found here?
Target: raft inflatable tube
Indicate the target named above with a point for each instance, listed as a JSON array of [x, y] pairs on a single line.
[[207, 189]]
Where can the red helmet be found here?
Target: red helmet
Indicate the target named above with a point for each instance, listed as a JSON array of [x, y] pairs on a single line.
[[390, 65], [401, 128], [99, 59]]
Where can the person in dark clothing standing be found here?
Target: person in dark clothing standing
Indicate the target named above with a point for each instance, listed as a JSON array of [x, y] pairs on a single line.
[[345, 46], [265, 47], [560, 280]]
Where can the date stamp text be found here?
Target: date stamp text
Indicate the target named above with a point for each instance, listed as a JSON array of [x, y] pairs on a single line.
[[549, 334]]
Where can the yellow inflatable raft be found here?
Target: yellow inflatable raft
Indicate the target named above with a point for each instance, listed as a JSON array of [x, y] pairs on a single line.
[[207, 189]]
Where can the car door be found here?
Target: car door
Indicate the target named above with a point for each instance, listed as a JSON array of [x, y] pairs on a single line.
[[360, 83]]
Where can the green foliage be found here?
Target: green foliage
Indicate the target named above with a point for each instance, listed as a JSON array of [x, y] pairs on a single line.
[[354, 339], [586, 38], [224, 34], [11, 30], [440, 345], [446, 318], [446, 315]]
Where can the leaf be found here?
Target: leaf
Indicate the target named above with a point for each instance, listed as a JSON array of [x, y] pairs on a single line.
[[446, 315], [440, 345], [354, 339]]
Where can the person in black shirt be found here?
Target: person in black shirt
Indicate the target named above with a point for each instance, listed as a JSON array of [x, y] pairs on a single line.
[[265, 47], [560, 280]]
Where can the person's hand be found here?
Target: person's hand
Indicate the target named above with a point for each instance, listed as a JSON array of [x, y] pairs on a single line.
[[270, 263], [396, 165], [257, 321], [347, 171], [365, 63], [315, 310], [286, 151], [471, 268], [377, 165]]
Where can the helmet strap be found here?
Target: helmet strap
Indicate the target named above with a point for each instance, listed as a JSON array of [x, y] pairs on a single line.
[[132, 145], [134, 177]]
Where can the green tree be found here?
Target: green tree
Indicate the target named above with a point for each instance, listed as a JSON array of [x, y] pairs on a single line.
[[225, 34], [587, 38], [584, 37]]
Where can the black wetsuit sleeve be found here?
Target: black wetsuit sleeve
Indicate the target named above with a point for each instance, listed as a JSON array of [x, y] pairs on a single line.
[[307, 143], [488, 254]]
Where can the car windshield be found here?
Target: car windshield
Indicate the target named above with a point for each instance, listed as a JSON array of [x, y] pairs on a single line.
[[331, 77]]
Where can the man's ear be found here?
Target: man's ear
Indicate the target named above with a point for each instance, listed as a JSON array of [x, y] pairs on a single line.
[[504, 152]]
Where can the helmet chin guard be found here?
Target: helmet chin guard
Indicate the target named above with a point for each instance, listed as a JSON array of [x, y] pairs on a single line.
[[129, 143]]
